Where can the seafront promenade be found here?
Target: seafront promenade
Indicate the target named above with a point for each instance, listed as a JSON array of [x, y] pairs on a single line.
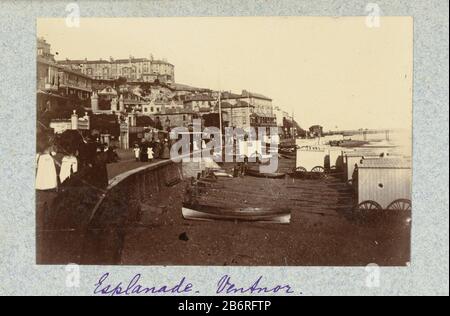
[[141, 213]]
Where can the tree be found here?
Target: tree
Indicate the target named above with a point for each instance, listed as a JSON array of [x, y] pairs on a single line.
[[121, 81]]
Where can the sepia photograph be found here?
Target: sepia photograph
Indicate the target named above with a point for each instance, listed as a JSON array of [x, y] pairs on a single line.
[[224, 141]]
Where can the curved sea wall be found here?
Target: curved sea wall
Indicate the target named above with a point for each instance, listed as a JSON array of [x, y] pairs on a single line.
[[89, 227]]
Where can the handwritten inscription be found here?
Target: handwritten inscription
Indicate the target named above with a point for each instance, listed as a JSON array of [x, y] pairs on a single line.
[[225, 286]]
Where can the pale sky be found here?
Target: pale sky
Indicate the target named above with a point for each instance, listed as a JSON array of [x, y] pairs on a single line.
[[336, 72]]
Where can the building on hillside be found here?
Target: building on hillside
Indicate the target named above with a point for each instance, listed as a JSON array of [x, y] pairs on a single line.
[[44, 50], [263, 113], [239, 113], [248, 110], [104, 101], [161, 107], [213, 120], [182, 91], [172, 119], [200, 103], [58, 88], [133, 69], [263, 105]]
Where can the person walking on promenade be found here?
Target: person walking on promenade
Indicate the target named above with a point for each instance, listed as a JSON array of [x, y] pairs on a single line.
[[153, 147], [46, 180], [137, 152], [150, 153], [143, 151], [99, 172], [46, 173], [165, 150]]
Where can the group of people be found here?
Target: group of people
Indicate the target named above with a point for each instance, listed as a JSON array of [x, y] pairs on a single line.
[[66, 157], [67, 165], [147, 151], [143, 152]]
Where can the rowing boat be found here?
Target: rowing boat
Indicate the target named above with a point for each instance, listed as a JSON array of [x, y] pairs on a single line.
[[268, 175], [248, 214]]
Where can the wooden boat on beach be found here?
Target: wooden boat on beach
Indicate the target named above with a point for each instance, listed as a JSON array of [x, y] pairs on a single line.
[[258, 174], [248, 214]]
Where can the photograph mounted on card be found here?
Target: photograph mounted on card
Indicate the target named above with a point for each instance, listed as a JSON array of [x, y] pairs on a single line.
[[224, 141]]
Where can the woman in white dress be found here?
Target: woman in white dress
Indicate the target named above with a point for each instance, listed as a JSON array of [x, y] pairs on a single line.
[[46, 181], [69, 166], [46, 176]]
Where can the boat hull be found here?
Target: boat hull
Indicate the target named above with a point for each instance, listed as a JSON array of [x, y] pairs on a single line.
[[211, 213], [254, 173]]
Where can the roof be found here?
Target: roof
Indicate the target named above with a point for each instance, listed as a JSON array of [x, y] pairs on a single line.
[[70, 61], [247, 94], [112, 61], [239, 104], [61, 67], [184, 87], [386, 163], [228, 95], [127, 60], [262, 116], [200, 97], [111, 91], [226, 105], [173, 112], [363, 153], [51, 94], [133, 102], [161, 62], [82, 61]]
